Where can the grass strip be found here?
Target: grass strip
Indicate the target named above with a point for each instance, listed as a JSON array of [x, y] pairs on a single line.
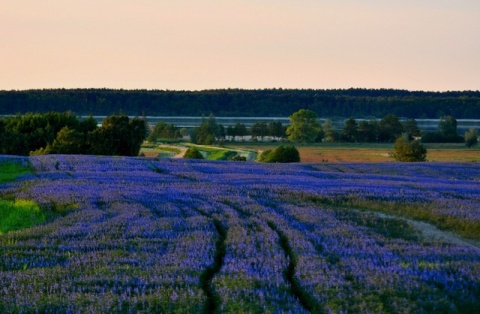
[[19, 214], [9, 171], [426, 212]]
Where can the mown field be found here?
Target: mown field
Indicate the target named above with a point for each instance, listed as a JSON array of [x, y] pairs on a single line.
[[147, 235]]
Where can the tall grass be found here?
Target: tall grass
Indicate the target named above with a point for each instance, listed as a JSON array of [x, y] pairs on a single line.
[[9, 171], [411, 210], [19, 214]]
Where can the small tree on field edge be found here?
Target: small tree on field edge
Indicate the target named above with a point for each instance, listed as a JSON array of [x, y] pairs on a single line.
[[408, 151], [304, 127], [471, 138]]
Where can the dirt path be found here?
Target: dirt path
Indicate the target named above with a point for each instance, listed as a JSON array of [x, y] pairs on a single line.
[[431, 232], [182, 149]]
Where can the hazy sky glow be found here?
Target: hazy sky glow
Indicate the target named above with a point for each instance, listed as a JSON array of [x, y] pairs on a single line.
[[210, 44]]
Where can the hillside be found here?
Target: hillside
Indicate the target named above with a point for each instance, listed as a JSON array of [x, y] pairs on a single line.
[[360, 103], [176, 236]]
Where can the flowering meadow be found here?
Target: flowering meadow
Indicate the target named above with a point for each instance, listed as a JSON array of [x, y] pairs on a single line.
[[137, 235]]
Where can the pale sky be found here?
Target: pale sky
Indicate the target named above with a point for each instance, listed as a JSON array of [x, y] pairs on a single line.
[[209, 44]]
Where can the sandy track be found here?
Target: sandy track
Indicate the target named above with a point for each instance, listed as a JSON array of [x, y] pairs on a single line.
[[431, 232]]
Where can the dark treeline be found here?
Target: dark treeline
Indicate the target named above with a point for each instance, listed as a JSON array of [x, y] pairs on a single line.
[[361, 103]]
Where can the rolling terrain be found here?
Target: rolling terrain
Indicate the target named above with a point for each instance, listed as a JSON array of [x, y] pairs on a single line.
[[125, 234]]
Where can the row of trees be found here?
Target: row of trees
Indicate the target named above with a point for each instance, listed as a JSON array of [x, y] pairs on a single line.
[[210, 131], [362, 103], [64, 133], [305, 128]]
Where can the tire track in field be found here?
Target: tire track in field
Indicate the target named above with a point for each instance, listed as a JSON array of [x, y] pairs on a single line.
[[307, 301], [213, 302], [213, 299]]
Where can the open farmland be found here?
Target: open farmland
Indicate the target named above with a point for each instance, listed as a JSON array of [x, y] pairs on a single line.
[[149, 235], [366, 152]]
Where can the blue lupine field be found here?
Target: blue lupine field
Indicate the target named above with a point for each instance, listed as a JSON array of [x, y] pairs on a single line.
[[142, 235]]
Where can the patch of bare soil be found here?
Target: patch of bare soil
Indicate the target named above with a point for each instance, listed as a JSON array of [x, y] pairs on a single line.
[[182, 149]]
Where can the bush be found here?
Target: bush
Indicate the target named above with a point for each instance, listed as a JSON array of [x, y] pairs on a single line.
[[239, 158], [471, 138], [193, 153], [409, 151], [280, 154]]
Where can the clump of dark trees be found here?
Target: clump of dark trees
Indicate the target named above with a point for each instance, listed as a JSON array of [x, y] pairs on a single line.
[[390, 128], [361, 103], [64, 133]]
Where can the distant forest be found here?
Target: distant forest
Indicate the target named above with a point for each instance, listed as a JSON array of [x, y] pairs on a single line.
[[359, 103]]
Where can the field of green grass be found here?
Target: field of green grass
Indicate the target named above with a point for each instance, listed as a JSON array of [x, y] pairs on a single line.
[[9, 171], [17, 214]]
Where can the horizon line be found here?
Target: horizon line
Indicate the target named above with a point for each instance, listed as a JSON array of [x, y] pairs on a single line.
[[238, 88]]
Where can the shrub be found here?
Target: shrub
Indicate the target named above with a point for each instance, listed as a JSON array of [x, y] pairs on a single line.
[[471, 138], [193, 153], [239, 158], [280, 154], [409, 151]]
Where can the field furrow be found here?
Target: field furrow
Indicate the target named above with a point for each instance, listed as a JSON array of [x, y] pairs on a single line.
[[142, 235]]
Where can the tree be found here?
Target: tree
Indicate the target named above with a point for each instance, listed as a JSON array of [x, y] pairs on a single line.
[[350, 130], [390, 128], [408, 151], [193, 153], [329, 132], [304, 127], [203, 135], [68, 141], [368, 131], [448, 126], [87, 125], [183, 132], [447, 132], [207, 132], [162, 130], [240, 129], [259, 129], [276, 129], [471, 138], [118, 135], [411, 128], [231, 132]]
